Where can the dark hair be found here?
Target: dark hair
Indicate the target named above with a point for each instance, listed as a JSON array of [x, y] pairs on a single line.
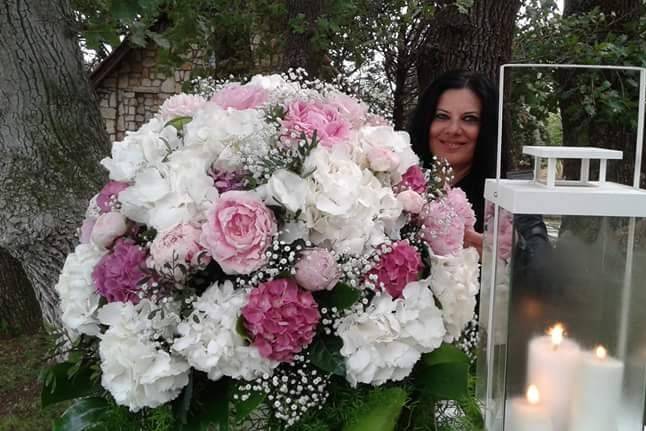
[[484, 158]]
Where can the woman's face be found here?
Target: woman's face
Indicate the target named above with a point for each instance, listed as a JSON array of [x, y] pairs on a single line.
[[455, 127]]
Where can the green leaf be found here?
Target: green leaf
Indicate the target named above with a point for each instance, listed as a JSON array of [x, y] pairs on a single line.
[[210, 408], [62, 382], [325, 354], [179, 122], [342, 297], [445, 354], [381, 413], [84, 414], [241, 329], [244, 408], [124, 9], [182, 404], [443, 374]]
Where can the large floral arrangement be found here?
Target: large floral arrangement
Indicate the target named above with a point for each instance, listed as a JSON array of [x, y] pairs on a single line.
[[259, 255]]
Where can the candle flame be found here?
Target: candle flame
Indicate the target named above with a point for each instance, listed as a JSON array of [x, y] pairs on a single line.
[[533, 396], [601, 352], [556, 332]]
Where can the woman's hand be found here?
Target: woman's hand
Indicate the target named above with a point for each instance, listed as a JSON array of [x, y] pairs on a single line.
[[473, 239]]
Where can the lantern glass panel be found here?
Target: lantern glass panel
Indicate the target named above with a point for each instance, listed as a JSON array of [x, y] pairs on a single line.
[[591, 278]]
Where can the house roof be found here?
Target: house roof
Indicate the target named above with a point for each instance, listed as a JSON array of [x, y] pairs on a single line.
[[109, 63]]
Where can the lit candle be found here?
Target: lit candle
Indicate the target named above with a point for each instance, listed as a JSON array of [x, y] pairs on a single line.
[[595, 402], [528, 414], [552, 367]]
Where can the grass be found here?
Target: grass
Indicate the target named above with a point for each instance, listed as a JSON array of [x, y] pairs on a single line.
[[21, 359]]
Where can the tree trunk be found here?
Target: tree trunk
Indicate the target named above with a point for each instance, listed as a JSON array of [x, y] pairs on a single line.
[[51, 139], [300, 49], [19, 310], [479, 40]]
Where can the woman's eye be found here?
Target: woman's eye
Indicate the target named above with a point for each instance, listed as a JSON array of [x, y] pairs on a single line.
[[441, 117], [471, 119]]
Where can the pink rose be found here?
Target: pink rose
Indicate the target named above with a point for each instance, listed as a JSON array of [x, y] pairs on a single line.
[[505, 234], [181, 105], [281, 318], [306, 117], [85, 233], [107, 228], [317, 270], [240, 97], [396, 269], [382, 159], [443, 228], [457, 199], [411, 201], [413, 179], [178, 245], [350, 108], [238, 231]]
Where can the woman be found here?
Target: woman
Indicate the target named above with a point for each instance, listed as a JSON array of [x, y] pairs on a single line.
[[457, 120]]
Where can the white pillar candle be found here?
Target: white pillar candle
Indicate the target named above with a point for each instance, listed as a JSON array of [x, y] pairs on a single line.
[[595, 402], [528, 414], [552, 367]]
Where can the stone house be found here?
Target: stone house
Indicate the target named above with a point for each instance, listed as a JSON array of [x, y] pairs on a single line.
[[130, 90]]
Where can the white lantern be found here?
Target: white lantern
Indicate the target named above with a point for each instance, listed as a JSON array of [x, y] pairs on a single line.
[[565, 318]]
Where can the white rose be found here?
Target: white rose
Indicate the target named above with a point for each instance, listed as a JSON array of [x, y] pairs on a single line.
[[382, 159], [287, 189], [411, 201], [385, 137]]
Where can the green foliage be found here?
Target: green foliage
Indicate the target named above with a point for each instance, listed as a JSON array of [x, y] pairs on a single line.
[[324, 353], [380, 412], [443, 374], [66, 381], [544, 36]]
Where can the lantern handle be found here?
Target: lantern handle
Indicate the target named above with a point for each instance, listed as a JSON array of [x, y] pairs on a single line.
[[641, 107]]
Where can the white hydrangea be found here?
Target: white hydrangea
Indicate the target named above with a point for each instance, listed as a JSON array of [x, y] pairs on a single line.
[[215, 133], [384, 342], [209, 340], [348, 208], [78, 298], [145, 147], [454, 281], [136, 370], [177, 191]]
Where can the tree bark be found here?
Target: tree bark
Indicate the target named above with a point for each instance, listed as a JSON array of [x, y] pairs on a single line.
[[479, 40], [19, 310], [300, 49], [51, 140]]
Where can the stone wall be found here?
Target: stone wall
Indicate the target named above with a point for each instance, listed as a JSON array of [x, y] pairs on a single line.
[[132, 93]]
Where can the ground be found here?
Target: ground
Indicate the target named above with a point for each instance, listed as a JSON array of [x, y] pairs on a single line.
[[21, 359]]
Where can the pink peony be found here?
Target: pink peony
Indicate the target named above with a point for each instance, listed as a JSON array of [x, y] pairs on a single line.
[[317, 270], [181, 105], [107, 198], [382, 159], [457, 199], [350, 108], [117, 273], [505, 234], [281, 318], [178, 245], [397, 268], [238, 231], [86, 230], [413, 179], [306, 117], [443, 228], [240, 97], [226, 181], [411, 201], [107, 228]]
